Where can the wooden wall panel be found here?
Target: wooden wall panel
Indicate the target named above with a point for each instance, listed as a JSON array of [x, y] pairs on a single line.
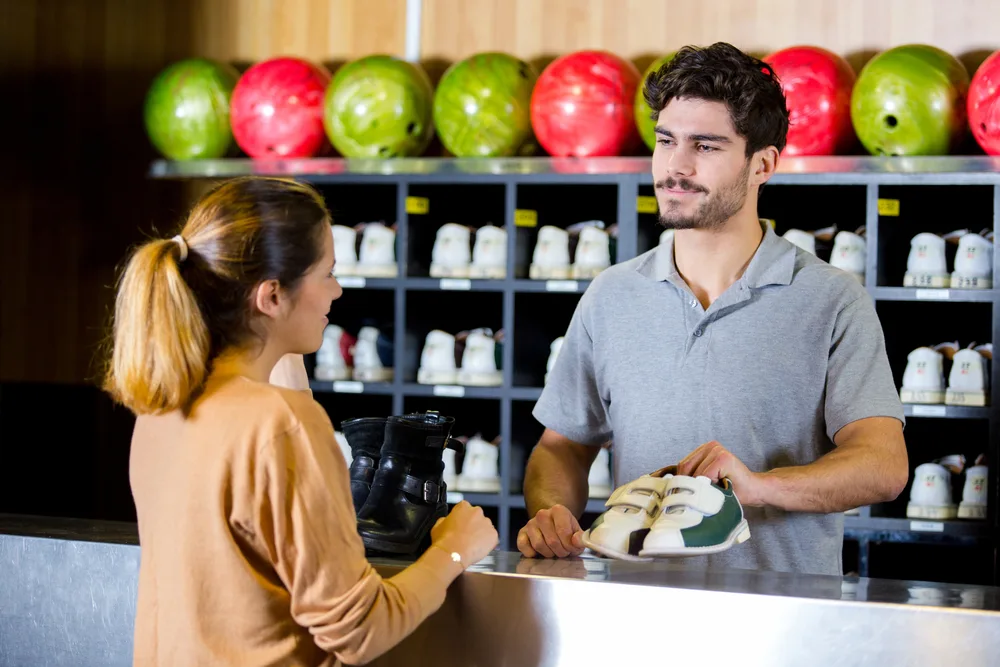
[[539, 30]]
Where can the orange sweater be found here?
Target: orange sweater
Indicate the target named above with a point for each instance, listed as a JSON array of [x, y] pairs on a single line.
[[250, 551]]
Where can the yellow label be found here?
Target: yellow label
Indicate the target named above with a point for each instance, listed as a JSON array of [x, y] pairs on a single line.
[[888, 207], [525, 218], [646, 204], [769, 221], [417, 205]]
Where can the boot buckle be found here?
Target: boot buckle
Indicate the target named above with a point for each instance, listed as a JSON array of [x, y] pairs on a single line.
[[432, 492]]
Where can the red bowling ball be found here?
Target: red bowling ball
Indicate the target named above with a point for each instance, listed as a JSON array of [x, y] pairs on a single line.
[[817, 84], [983, 107], [582, 105], [277, 109]]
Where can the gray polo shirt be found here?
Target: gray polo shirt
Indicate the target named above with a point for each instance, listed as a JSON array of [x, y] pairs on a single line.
[[787, 356]]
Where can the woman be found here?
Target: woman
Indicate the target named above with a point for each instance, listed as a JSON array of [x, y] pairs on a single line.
[[250, 549]]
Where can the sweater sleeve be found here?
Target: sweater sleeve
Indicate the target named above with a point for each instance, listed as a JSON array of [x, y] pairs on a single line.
[[306, 521]]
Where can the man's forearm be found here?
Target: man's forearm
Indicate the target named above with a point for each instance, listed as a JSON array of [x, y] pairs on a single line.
[[555, 476], [842, 479]]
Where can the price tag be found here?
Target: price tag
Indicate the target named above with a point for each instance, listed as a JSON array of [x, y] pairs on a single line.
[[525, 218], [933, 294], [418, 205], [450, 390], [927, 526], [348, 387], [351, 281], [929, 411], [454, 497], [888, 207], [645, 204], [561, 286], [455, 283]]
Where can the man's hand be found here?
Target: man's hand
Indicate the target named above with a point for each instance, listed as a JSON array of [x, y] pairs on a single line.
[[552, 533], [715, 462]]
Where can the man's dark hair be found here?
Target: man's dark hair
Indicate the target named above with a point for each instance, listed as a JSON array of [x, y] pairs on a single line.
[[723, 73]]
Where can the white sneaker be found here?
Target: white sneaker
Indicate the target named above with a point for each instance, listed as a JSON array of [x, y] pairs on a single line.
[[968, 380], [345, 448], [369, 364], [973, 263], [489, 254], [333, 359], [451, 255], [479, 364], [923, 378], [550, 259], [599, 478], [450, 478], [850, 254], [345, 254], [617, 533], [554, 349], [593, 251], [378, 251], [973, 505], [437, 359], [481, 467], [804, 240], [926, 265], [930, 493]]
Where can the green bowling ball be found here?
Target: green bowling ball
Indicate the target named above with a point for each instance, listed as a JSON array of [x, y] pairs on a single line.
[[379, 107], [910, 100], [186, 110], [643, 122], [482, 106]]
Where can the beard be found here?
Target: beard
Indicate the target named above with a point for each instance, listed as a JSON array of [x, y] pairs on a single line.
[[715, 210]]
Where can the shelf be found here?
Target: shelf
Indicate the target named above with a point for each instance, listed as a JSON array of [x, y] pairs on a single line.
[[946, 411], [594, 505], [915, 294], [453, 391], [526, 393], [481, 499], [351, 387], [453, 284], [564, 286], [360, 282], [890, 529]]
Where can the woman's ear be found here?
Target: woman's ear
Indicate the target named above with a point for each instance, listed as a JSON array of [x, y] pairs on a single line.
[[268, 297]]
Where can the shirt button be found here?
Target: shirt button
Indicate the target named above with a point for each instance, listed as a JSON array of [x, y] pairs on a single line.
[[699, 331]]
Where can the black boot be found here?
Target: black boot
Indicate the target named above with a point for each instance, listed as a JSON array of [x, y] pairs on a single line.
[[364, 435], [408, 494]]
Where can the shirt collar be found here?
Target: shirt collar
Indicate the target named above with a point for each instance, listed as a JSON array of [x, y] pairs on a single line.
[[772, 264]]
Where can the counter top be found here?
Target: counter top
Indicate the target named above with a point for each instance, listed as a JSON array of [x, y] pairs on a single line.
[[666, 573]]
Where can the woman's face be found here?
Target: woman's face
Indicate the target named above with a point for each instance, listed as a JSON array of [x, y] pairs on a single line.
[[301, 330]]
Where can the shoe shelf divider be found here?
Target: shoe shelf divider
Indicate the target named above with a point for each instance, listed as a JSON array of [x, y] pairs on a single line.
[[631, 179]]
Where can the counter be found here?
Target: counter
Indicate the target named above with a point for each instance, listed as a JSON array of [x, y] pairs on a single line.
[[67, 597]]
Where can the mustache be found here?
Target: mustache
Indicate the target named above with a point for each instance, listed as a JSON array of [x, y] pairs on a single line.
[[686, 185]]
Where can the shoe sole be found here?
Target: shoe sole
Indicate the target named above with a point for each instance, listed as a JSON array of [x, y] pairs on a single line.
[[739, 534], [611, 553]]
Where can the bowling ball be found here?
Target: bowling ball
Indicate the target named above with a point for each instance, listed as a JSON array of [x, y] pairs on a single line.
[[379, 106], [910, 100], [482, 106], [582, 105], [983, 107], [186, 111], [817, 84], [277, 109], [643, 120]]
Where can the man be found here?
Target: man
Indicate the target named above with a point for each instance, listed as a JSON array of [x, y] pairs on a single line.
[[728, 351]]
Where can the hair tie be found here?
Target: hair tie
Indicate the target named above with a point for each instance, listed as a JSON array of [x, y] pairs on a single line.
[[179, 240]]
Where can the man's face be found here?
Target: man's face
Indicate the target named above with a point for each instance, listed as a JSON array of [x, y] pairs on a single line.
[[700, 168]]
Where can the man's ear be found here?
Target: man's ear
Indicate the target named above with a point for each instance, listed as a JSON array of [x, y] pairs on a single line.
[[765, 164], [267, 298]]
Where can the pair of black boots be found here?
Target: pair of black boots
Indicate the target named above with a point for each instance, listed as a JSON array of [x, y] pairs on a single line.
[[397, 478]]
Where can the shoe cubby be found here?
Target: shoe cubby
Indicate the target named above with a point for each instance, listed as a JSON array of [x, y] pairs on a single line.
[[365, 316], [550, 215], [465, 209], [525, 432], [812, 215], [906, 211], [358, 210], [341, 407], [962, 563], [539, 319], [449, 315]]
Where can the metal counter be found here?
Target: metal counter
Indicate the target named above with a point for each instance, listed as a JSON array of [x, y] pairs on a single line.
[[67, 597]]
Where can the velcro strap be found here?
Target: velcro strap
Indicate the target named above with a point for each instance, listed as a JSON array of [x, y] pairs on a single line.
[[698, 496], [429, 490], [642, 494]]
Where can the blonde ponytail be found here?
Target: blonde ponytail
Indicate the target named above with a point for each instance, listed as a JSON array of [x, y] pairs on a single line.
[[161, 340]]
